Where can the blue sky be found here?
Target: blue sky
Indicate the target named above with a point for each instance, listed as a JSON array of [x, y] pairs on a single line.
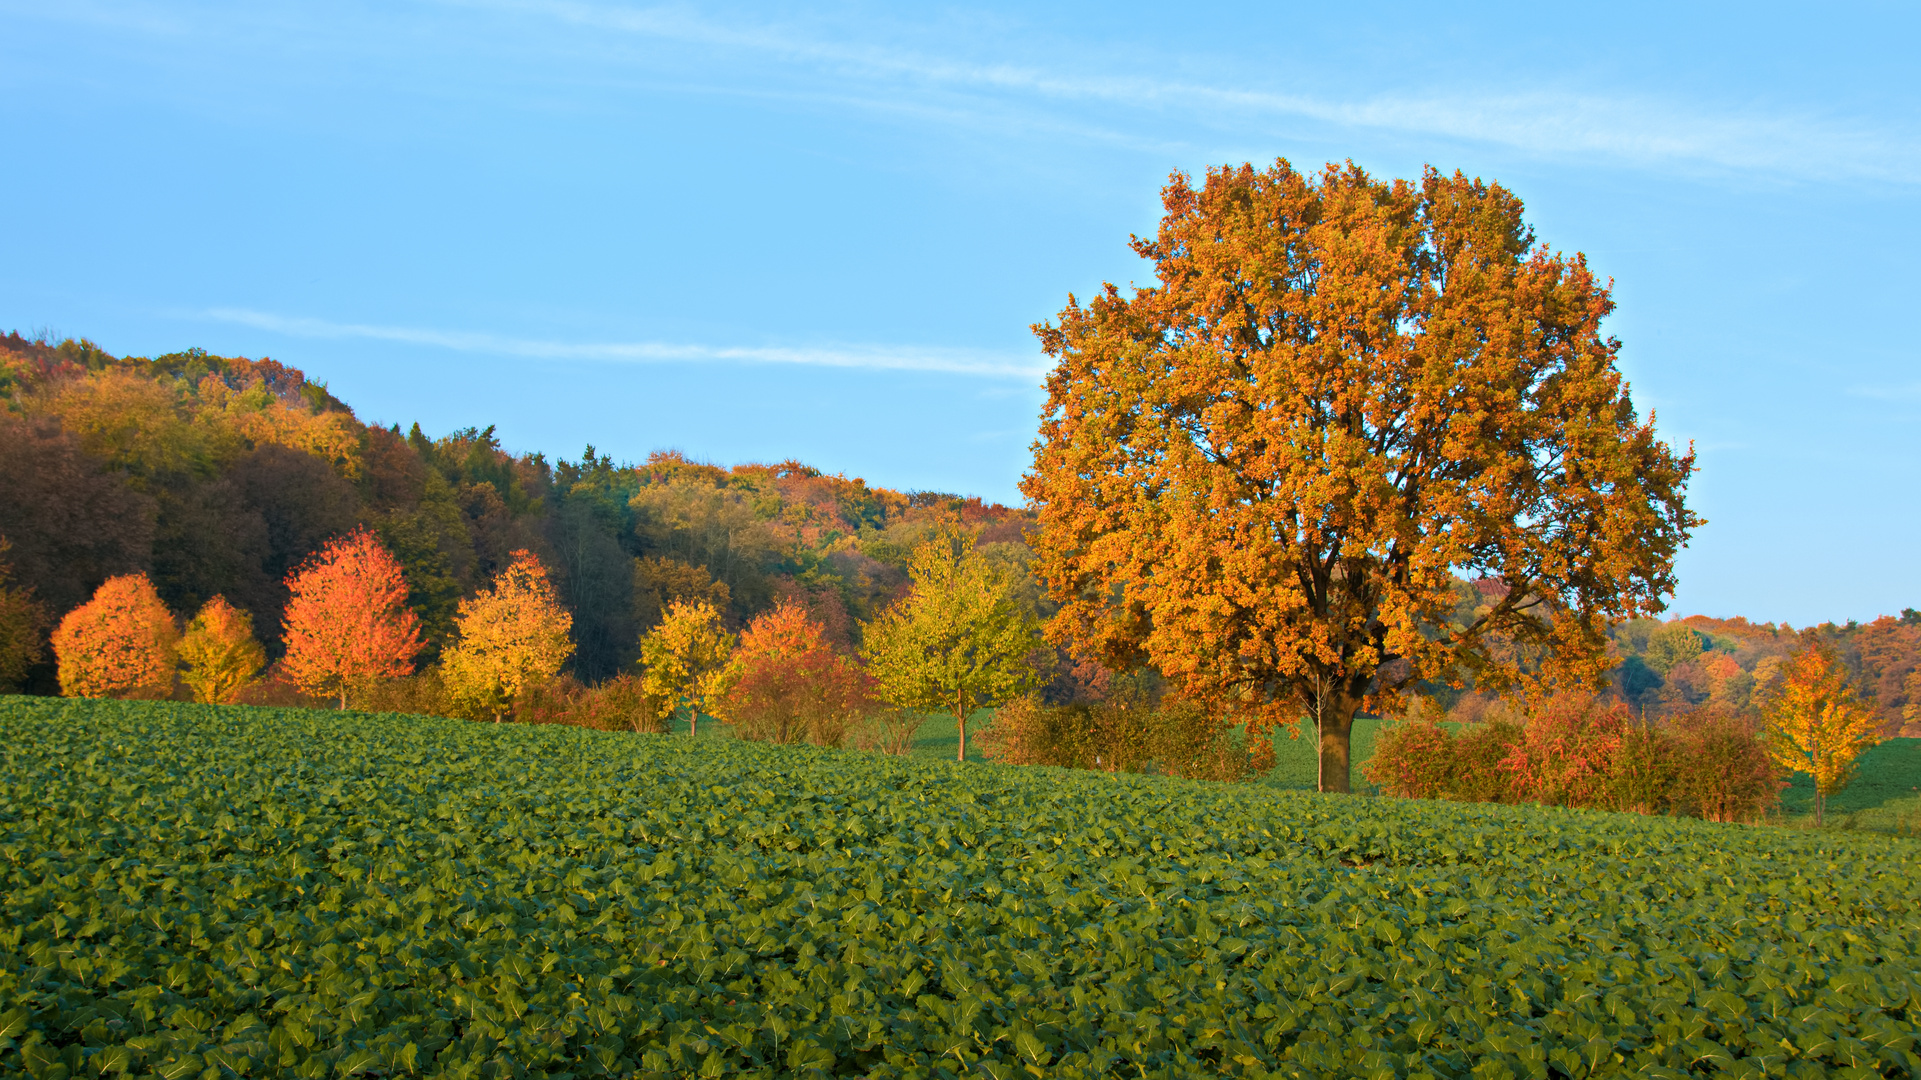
[[755, 232]]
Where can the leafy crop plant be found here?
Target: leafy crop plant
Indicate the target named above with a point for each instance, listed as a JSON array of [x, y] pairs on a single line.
[[215, 891]]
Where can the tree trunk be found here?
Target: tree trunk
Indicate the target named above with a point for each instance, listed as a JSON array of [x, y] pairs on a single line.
[[961, 718], [343, 697], [1335, 729], [693, 721]]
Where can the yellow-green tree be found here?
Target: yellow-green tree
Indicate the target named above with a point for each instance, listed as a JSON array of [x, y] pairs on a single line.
[[958, 641], [219, 652], [511, 636], [1816, 724], [684, 661]]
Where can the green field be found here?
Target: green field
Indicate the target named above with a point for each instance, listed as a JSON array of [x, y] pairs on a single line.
[[198, 891]]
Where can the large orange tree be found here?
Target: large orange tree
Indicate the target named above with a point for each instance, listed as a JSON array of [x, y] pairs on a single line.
[[1267, 474]]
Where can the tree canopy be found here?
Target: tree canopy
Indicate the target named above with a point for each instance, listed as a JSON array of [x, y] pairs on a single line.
[[1268, 474], [958, 641]]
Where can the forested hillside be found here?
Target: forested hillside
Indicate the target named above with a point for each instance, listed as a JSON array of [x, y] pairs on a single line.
[[218, 475]]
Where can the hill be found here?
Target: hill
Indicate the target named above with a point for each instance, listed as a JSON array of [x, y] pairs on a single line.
[[279, 892]]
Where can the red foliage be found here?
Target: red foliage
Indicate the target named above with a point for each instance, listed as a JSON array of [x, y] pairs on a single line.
[[791, 684], [347, 624]]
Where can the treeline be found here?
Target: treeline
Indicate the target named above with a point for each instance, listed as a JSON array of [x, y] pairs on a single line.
[[1669, 670], [219, 476]]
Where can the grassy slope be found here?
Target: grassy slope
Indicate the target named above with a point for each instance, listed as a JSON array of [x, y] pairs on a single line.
[[292, 892]]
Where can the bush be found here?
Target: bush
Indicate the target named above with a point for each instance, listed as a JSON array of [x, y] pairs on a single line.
[[1586, 752], [1124, 733], [887, 731], [1413, 760], [1727, 773], [619, 704]]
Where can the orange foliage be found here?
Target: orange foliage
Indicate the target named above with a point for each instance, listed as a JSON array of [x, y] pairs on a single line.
[[1263, 474], [1816, 724], [789, 685], [121, 643], [220, 652], [347, 624]]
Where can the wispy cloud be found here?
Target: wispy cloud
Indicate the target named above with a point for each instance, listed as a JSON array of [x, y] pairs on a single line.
[[1640, 130], [974, 362], [1909, 392]]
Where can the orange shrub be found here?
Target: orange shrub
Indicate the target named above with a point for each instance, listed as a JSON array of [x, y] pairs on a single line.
[[121, 643], [347, 624]]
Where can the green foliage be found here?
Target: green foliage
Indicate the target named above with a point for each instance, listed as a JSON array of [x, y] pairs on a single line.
[[959, 641], [288, 893]]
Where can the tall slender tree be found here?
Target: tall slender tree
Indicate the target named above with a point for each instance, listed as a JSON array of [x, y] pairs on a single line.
[[1816, 723], [347, 625], [958, 641], [1264, 474]]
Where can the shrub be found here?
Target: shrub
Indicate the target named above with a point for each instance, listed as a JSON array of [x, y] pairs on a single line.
[[619, 704], [122, 643], [1480, 772], [1124, 733], [887, 730], [1415, 759], [1566, 755], [1726, 772], [424, 694]]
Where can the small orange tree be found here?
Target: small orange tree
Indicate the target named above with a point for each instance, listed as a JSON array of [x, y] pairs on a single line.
[[219, 652], [121, 643], [788, 684], [512, 636], [684, 661], [348, 625], [1816, 724]]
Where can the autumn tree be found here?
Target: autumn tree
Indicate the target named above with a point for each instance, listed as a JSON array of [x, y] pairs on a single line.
[[23, 624], [684, 661], [511, 636], [219, 652], [1815, 722], [347, 624], [1265, 474], [788, 683], [121, 643], [958, 641]]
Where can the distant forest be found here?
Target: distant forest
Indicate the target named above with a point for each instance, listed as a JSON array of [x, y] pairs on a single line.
[[218, 475]]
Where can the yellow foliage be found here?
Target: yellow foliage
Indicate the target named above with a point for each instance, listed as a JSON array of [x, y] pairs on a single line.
[[511, 637], [685, 661], [220, 652], [1816, 724], [259, 416]]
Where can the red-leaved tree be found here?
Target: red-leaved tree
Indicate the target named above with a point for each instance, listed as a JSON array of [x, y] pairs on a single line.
[[789, 685], [347, 625]]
